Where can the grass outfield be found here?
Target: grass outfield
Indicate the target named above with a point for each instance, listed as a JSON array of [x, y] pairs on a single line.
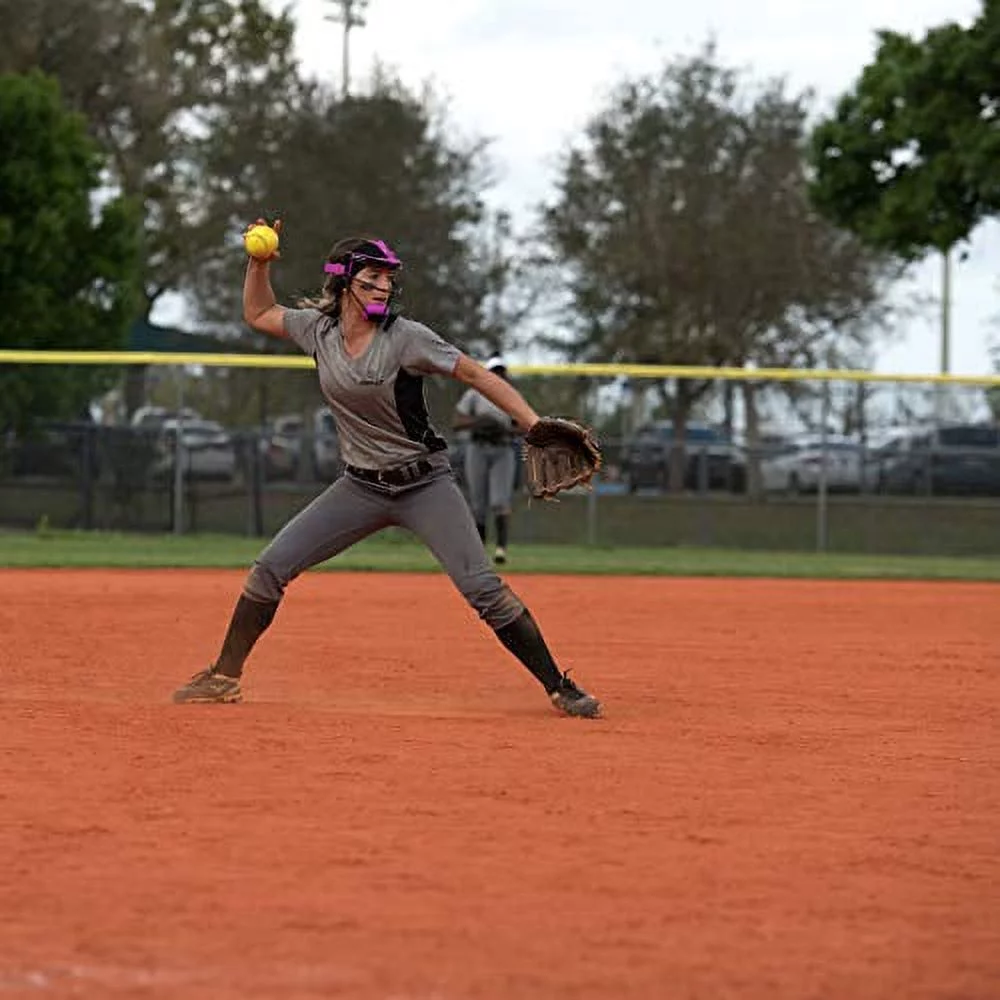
[[395, 551]]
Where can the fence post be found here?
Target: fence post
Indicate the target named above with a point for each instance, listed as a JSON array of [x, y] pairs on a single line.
[[255, 440], [822, 508], [704, 532], [178, 497], [89, 474], [592, 515]]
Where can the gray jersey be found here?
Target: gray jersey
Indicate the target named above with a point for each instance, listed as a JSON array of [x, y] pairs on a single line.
[[377, 399], [474, 404]]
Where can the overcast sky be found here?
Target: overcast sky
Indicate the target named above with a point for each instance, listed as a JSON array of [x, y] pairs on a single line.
[[528, 73]]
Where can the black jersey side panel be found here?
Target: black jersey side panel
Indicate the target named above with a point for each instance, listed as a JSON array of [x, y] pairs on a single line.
[[412, 409]]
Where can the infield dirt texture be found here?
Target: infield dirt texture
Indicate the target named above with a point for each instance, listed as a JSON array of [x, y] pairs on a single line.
[[794, 794]]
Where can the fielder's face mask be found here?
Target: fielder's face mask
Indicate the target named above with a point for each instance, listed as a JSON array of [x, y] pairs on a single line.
[[377, 254]]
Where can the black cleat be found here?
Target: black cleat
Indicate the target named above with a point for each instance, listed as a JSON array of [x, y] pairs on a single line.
[[572, 700], [209, 687]]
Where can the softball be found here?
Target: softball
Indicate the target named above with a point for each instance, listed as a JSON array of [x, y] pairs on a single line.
[[260, 242]]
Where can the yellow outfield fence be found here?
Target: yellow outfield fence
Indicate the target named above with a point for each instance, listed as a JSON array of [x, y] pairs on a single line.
[[769, 458], [591, 370]]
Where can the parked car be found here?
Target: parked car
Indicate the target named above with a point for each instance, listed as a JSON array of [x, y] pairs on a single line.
[[289, 435], [154, 417], [281, 447], [710, 458], [208, 450], [798, 468], [880, 446], [951, 459], [769, 444], [327, 463]]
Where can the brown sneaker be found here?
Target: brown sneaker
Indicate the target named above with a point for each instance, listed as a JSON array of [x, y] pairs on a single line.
[[208, 687]]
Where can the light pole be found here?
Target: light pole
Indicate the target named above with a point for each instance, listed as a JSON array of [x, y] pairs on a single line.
[[350, 13], [945, 313]]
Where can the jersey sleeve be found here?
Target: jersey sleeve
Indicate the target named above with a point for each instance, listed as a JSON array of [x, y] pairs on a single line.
[[302, 325], [426, 353]]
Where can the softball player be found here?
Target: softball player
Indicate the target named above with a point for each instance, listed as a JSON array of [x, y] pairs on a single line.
[[371, 363], [490, 461]]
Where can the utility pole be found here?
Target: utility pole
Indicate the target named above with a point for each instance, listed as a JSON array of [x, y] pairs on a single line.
[[942, 394], [945, 313], [350, 13]]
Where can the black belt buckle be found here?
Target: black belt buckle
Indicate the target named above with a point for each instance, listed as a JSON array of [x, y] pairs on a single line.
[[393, 477], [416, 470]]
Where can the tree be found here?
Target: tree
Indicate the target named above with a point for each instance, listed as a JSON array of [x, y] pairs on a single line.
[[156, 80], [386, 163], [208, 122], [908, 158], [68, 271], [893, 161], [684, 231]]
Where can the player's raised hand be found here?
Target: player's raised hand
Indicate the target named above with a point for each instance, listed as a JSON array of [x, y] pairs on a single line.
[[261, 240]]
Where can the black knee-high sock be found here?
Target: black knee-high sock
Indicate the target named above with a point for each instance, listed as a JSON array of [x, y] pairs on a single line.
[[524, 639], [481, 528], [502, 521], [250, 619]]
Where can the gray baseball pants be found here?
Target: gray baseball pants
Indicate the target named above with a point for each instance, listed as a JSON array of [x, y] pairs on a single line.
[[348, 511], [489, 472]]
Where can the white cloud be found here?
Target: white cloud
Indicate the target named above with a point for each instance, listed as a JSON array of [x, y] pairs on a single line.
[[528, 74]]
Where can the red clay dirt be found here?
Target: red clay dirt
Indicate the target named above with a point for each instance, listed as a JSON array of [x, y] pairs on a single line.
[[795, 793]]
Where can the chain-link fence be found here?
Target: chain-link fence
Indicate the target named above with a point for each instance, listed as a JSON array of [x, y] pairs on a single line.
[[777, 459], [925, 490]]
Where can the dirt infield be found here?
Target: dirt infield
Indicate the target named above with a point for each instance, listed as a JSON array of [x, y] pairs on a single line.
[[795, 793]]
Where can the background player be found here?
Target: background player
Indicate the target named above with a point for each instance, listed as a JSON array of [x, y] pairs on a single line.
[[371, 362], [490, 460]]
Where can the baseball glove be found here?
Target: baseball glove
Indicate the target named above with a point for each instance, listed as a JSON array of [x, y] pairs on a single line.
[[559, 454]]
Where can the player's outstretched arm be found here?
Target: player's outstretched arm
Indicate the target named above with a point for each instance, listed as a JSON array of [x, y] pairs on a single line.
[[559, 453], [497, 391]]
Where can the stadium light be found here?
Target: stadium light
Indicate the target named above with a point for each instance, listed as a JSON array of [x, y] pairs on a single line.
[[349, 13]]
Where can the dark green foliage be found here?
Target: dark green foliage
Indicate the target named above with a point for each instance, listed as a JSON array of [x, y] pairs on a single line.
[[68, 260], [683, 225], [908, 160], [683, 229], [210, 123], [379, 164], [207, 122], [155, 81]]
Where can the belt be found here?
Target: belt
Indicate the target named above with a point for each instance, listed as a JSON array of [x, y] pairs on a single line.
[[491, 439], [400, 476]]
